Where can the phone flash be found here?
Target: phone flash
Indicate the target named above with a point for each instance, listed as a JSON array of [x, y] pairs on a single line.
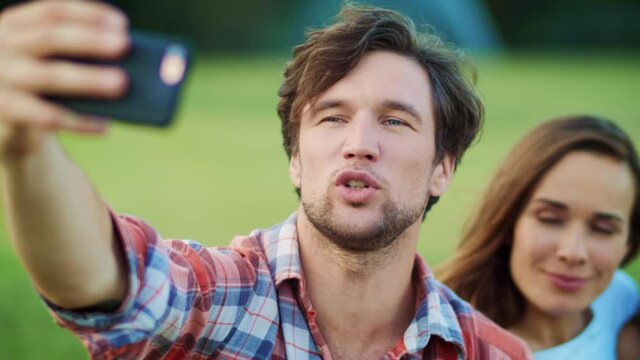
[[173, 65]]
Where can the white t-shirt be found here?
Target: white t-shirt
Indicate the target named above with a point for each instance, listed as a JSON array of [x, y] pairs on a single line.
[[611, 310]]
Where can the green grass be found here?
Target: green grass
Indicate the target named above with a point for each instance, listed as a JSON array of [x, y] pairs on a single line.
[[221, 171]]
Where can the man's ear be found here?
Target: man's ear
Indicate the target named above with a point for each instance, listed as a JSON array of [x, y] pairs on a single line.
[[442, 174], [294, 171]]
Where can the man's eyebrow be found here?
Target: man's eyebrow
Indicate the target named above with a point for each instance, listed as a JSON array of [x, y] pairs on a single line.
[[324, 105], [599, 215], [388, 104], [401, 106]]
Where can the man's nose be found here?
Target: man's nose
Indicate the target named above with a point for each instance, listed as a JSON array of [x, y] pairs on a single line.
[[361, 141], [572, 247]]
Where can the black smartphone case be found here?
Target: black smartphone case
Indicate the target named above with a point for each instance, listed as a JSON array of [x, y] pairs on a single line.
[[149, 100]]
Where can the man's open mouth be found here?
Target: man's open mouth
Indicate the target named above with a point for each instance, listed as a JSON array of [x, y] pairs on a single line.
[[353, 179], [356, 184]]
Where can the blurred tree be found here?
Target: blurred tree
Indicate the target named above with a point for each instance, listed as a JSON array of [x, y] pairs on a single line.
[[258, 25], [276, 25], [569, 23], [223, 25], [464, 22]]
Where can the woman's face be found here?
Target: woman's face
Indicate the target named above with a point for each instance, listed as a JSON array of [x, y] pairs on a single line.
[[572, 235]]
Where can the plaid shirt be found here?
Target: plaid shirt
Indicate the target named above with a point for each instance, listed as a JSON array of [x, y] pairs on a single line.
[[248, 301]]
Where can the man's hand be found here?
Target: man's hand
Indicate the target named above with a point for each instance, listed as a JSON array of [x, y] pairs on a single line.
[[58, 224], [33, 39]]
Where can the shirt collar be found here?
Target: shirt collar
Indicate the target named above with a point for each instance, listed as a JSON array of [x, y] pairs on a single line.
[[435, 314], [282, 252]]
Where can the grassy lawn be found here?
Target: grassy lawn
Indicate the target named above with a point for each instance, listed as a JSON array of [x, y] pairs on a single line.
[[221, 171]]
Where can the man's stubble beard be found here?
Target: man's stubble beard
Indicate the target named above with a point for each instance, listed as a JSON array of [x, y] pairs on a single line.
[[377, 237]]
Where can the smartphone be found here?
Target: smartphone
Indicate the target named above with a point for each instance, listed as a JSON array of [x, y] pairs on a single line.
[[157, 67]]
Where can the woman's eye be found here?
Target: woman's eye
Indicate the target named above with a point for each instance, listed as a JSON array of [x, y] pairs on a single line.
[[604, 229], [550, 219]]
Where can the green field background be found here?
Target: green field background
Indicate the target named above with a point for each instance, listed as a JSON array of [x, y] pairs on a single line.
[[221, 171]]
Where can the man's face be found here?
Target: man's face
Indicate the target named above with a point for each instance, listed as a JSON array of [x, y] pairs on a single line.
[[365, 164]]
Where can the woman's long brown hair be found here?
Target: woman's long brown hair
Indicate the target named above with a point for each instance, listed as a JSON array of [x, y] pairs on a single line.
[[479, 270]]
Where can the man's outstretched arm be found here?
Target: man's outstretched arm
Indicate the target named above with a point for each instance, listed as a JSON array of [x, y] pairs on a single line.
[[59, 226]]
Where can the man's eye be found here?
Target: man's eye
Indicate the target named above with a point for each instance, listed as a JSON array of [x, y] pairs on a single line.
[[394, 122], [332, 119]]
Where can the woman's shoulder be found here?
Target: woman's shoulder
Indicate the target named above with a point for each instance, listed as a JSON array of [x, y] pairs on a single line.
[[611, 311], [619, 302], [622, 289]]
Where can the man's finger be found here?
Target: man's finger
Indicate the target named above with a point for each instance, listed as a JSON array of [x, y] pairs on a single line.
[[18, 108], [51, 12], [63, 78], [69, 40]]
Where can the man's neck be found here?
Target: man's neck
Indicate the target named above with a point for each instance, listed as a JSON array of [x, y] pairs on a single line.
[[362, 301], [541, 330]]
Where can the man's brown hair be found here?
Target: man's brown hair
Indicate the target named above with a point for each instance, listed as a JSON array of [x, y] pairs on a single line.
[[330, 53]]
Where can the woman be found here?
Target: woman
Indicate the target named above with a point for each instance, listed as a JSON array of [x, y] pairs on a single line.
[[559, 218]]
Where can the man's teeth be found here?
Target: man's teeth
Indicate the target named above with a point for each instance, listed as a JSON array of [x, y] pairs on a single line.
[[355, 184]]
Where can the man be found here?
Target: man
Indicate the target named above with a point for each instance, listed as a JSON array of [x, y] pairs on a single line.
[[375, 118]]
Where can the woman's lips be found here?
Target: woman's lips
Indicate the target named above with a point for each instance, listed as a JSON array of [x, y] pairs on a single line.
[[566, 282]]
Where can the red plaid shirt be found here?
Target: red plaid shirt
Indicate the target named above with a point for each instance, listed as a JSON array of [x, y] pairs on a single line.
[[248, 301]]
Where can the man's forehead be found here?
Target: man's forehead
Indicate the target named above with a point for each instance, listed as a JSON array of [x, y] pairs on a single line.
[[385, 76]]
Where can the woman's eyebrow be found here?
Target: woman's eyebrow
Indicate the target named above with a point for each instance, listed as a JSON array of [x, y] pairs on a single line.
[[553, 203], [600, 215], [609, 217]]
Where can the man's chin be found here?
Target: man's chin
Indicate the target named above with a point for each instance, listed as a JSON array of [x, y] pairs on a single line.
[[358, 230], [354, 237], [363, 227], [359, 212]]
